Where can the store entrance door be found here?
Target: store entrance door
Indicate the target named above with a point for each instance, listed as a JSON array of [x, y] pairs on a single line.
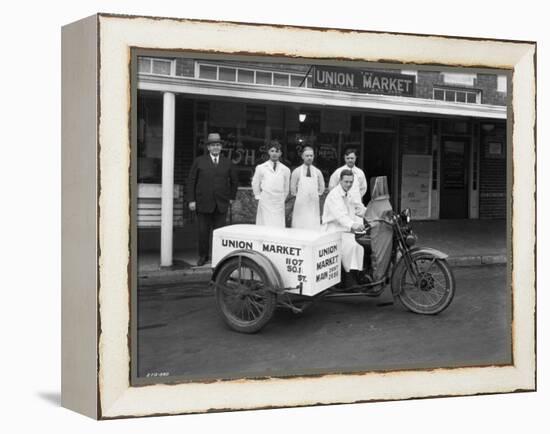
[[454, 178], [378, 158]]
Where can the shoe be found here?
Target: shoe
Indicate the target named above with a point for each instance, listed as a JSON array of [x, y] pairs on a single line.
[[201, 261], [349, 279]]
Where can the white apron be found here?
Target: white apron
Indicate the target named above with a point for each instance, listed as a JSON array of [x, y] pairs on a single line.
[[271, 206], [352, 252], [306, 207], [354, 191]]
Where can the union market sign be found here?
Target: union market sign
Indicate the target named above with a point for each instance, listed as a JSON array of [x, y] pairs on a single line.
[[363, 81]]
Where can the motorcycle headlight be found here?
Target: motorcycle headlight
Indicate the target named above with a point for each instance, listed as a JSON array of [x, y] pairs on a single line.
[[406, 215], [410, 239]]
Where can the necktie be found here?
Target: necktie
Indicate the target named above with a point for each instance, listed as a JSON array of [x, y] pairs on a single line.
[[274, 166], [308, 174], [215, 161]]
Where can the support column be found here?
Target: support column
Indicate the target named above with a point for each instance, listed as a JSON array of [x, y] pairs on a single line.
[[167, 195]]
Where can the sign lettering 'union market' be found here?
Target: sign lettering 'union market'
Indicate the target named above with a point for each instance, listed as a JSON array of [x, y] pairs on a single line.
[[355, 80]]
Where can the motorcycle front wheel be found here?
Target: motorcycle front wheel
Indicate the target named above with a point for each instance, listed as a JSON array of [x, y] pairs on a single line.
[[427, 287]]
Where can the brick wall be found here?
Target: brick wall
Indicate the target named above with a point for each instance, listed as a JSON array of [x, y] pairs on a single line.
[[489, 94], [492, 175], [425, 83], [487, 83]]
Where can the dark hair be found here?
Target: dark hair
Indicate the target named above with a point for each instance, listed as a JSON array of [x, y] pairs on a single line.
[[275, 144], [350, 151], [345, 172], [308, 148]]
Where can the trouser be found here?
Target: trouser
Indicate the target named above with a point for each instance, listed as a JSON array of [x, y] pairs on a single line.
[[207, 223]]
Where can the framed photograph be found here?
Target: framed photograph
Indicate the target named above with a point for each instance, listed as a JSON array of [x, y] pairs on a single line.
[[261, 216]]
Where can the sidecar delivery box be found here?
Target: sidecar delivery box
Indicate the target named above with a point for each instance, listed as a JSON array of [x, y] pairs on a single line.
[[309, 258]]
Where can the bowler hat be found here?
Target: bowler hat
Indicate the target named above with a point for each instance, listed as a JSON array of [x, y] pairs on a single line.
[[213, 138]]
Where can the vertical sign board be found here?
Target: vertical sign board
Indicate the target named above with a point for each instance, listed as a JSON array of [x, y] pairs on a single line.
[[416, 184]]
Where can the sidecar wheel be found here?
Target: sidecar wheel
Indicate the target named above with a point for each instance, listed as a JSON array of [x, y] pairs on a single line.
[[432, 288], [243, 295]]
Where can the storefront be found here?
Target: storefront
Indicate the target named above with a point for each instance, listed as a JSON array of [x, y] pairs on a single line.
[[443, 158]]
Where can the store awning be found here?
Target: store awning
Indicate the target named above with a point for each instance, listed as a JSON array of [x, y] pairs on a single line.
[[318, 97]]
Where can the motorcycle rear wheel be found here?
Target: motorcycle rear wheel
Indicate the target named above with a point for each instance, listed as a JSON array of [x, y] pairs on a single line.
[[430, 290], [243, 295]]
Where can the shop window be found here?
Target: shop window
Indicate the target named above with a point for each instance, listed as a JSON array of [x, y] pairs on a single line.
[[380, 123], [208, 72], [228, 74], [264, 77], [450, 95], [256, 120], [455, 127], [439, 94], [415, 137], [245, 76], [434, 169], [149, 138], [280, 79]]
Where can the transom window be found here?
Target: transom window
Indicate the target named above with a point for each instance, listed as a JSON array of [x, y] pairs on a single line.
[[457, 95], [250, 76], [149, 65]]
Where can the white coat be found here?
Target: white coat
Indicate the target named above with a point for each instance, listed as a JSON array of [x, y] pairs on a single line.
[[340, 212], [358, 188], [307, 190], [270, 188]]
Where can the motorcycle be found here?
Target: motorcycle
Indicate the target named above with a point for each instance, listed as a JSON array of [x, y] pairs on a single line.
[[258, 269]]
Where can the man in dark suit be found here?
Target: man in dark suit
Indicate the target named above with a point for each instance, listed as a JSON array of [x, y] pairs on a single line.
[[211, 188]]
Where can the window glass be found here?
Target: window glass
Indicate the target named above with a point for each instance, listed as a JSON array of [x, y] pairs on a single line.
[[208, 72], [439, 94], [471, 97], [296, 80], [161, 67], [263, 77], [246, 76], [449, 95], [461, 96], [227, 74], [144, 65], [280, 79]]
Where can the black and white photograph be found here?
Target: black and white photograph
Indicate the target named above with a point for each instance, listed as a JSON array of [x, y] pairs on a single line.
[[295, 218], [275, 216]]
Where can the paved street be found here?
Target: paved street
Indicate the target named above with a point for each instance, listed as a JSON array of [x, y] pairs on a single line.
[[181, 334]]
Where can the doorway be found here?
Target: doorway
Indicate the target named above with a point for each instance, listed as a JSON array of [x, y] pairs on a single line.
[[378, 159], [454, 178]]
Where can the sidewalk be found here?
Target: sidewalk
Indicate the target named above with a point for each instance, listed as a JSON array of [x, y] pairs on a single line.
[[467, 242]]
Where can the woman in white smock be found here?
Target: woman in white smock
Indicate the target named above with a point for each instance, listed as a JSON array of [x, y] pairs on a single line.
[[307, 184], [270, 185]]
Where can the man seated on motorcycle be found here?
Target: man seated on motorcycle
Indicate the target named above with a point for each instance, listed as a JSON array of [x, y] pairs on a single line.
[[342, 214]]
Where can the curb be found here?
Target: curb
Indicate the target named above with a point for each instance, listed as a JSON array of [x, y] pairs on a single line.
[[477, 260], [203, 274]]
